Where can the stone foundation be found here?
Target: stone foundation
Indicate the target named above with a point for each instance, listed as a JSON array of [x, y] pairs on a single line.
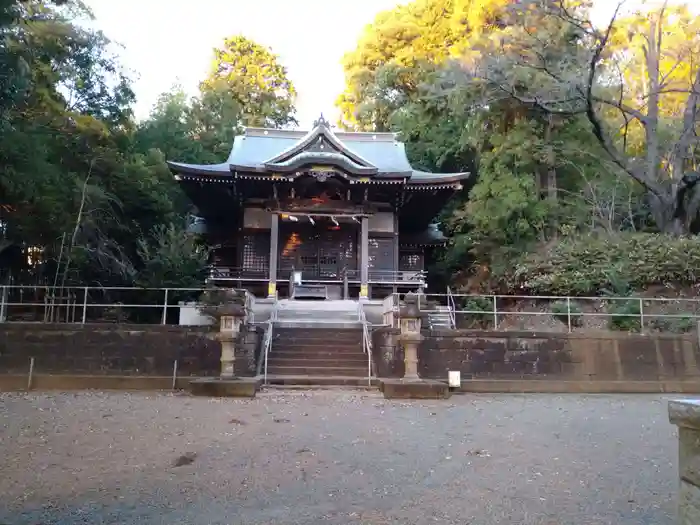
[[225, 387], [414, 389], [686, 415]]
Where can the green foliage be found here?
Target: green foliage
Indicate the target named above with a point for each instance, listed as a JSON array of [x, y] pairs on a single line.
[[80, 182], [674, 325], [480, 312], [402, 41], [250, 76], [172, 258], [567, 311], [602, 264], [625, 315]]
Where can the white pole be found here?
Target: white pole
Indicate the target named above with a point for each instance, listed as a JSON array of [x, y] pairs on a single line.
[[31, 373], [165, 308], [174, 373]]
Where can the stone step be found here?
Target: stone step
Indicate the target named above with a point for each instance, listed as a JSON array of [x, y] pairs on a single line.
[[317, 340], [360, 371], [316, 353], [315, 381], [310, 334], [305, 353], [276, 361], [313, 342], [317, 324], [352, 384]]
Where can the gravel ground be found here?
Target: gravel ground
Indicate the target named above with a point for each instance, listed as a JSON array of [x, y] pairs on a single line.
[[336, 457]]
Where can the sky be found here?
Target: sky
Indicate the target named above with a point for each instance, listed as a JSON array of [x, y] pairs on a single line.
[[165, 42], [171, 41]]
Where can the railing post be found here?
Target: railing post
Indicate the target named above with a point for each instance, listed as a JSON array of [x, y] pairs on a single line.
[[568, 313], [85, 297], [641, 315], [3, 305], [495, 312], [174, 374], [30, 377], [165, 308]]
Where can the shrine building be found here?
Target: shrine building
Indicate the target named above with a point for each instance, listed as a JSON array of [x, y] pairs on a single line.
[[342, 212]]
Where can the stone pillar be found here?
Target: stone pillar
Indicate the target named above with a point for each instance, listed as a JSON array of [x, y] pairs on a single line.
[[274, 251], [686, 415], [229, 328], [410, 337], [364, 258]]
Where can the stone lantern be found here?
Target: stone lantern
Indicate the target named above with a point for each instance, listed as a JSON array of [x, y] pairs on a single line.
[[410, 337], [230, 324], [230, 308], [411, 386]]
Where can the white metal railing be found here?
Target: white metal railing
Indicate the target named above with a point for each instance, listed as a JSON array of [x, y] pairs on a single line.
[[86, 304], [452, 306], [366, 339], [267, 341], [389, 310], [407, 277], [569, 312]]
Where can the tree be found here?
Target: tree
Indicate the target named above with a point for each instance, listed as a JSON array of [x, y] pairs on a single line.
[[593, 79], [250, 76], [399, 45]]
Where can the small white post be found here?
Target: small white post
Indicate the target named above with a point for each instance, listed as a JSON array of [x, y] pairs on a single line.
[[174, 373], [641, 315], [31, 373], [495, 313], [568, 312], [85, 297], [165, 308]]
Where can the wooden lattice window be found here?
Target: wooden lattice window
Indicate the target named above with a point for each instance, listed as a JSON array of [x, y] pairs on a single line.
[[381, 254], [256, 252], [411, 261]]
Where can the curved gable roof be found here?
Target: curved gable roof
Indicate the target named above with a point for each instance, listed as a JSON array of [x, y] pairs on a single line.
[[365, 154]]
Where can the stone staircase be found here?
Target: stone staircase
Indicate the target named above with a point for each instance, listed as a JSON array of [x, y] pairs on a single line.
[[317, 343], [440, 319]]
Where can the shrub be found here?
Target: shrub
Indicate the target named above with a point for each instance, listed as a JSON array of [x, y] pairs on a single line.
[[477, 304], [562, 310], [592, 265], [625, 315], [675, 325]]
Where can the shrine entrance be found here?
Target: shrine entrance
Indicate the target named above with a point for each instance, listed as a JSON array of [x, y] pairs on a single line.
[[322, 248]]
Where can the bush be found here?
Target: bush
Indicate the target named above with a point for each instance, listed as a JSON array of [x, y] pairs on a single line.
[[477, 304], [674, 325], [625, 315], [590, 265], [562, 310]]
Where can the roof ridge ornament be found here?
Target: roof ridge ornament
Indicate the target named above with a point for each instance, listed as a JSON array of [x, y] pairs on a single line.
[[321, 122]]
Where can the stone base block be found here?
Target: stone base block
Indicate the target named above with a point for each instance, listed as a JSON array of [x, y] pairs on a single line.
[[225, 387], [414, 389]]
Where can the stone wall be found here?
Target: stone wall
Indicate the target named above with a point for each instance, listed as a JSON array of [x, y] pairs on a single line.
[[595, 356], [686, 414], [110, 349]]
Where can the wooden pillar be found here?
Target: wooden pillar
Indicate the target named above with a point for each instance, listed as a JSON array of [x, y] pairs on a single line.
[[274, 251], [397, 256], [364, 258]]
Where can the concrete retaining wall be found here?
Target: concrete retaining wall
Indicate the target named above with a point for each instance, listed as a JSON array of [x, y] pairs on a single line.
[[125, 350], [609, 357]]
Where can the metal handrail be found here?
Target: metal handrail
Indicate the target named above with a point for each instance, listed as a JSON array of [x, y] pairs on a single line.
[[235, 273], [366, 340], [452, 306], [267, 342]]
